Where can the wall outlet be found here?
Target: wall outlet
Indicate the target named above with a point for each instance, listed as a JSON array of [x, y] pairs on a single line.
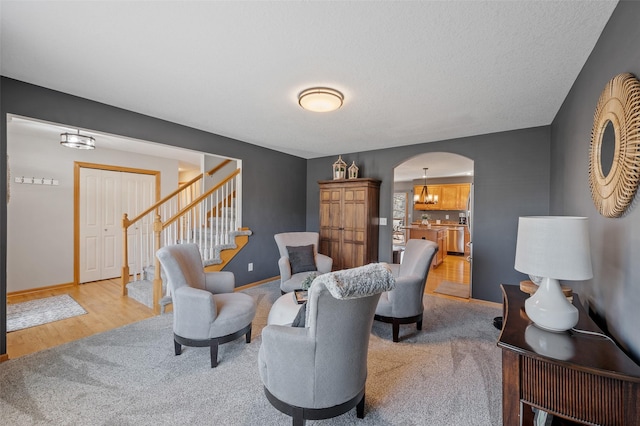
[[446, 216], [383, 221], [250, 267]]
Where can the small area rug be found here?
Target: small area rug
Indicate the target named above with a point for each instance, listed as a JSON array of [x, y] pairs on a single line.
[[42, 311], [453, 289]]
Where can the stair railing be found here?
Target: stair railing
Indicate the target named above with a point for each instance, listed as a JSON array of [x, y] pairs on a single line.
[[139, 245], [194, 224]]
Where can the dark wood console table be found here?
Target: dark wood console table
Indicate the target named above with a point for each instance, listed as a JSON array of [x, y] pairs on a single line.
[[582, 378]]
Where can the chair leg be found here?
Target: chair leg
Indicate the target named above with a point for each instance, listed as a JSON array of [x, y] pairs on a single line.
[[248, 336], [177, 347], [396, 330], [296, 416], [360, 408], [419, 324], [213, 347]]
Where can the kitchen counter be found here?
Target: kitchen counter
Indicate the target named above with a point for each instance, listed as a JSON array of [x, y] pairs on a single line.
[[434, 224], [416, 230], [436, 234]]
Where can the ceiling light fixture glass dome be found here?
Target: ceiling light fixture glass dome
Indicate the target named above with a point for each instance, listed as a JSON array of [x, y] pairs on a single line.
[[320, 99]]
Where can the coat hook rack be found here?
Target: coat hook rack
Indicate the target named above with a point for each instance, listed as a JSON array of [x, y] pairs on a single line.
[[37, 181]]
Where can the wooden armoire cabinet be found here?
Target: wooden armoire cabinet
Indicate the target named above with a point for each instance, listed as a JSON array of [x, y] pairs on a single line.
[[349, 211]]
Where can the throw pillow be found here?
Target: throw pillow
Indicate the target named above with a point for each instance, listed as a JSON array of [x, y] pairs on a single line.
[[301, 258], [299, 320]]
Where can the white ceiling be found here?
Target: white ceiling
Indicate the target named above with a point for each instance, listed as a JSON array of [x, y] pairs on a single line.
[[187, 159], [411, 72]]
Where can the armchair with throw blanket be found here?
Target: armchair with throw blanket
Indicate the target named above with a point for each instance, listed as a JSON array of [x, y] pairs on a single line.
[[319, 370]]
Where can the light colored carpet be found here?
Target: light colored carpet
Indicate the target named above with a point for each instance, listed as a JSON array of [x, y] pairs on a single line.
[[41, 311], [453, 289], [447, 374]]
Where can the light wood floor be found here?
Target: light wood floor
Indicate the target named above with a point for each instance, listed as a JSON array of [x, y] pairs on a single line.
[[106, 310], [454, 268]]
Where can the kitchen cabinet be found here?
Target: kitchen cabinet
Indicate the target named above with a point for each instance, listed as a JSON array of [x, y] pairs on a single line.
[[437, 235], [463, 195], [450, 196], [349, 210]]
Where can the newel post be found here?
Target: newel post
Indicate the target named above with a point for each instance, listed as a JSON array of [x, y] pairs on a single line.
[[157, 276], [124, 277]]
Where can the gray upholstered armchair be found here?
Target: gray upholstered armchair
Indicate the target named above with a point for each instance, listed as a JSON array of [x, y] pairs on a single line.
[[319, 370], [403, 305], [294, 271], [206, 311]]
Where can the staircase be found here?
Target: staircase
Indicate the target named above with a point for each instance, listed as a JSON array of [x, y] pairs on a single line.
[[209, 218]]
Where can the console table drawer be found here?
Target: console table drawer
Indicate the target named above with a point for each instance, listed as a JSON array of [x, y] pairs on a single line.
[[573, 394]]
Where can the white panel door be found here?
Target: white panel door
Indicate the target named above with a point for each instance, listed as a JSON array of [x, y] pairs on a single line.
[[104, 197], [90, 204], [111, 224]]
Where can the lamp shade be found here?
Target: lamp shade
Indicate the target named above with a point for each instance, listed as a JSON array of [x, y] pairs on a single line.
[[554, 247]]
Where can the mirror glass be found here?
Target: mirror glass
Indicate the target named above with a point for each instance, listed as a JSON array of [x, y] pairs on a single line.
[[607, 148]]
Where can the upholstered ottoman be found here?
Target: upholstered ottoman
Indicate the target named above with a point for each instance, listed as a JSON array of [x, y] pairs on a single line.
[[284, 310]]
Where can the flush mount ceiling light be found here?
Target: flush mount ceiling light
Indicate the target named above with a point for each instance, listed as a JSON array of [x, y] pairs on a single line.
[[78, 141], [320, 99]]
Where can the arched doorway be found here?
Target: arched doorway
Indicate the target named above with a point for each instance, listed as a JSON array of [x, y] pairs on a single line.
[[448, 215]]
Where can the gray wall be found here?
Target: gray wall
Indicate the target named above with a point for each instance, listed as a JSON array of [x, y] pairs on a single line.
[[614, 291], [273, 183], [511, 179]]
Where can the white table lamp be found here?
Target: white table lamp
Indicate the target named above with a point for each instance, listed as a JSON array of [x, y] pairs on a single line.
[[554, 248]]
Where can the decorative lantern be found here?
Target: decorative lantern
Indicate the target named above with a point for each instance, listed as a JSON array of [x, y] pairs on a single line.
[[353, 171], [339, 168]]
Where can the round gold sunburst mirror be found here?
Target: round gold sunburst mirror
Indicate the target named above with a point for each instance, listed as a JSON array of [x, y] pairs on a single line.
[[614, 159]]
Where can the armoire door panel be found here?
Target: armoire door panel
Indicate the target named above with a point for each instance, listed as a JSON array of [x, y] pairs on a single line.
[[335, 216], [349, 215], [346, 256], [347, 235], [358, 253], [360, 218]]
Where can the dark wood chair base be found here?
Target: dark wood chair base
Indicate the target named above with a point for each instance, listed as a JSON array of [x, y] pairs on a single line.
[[395, 322], [300, 414], [213, 344]]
